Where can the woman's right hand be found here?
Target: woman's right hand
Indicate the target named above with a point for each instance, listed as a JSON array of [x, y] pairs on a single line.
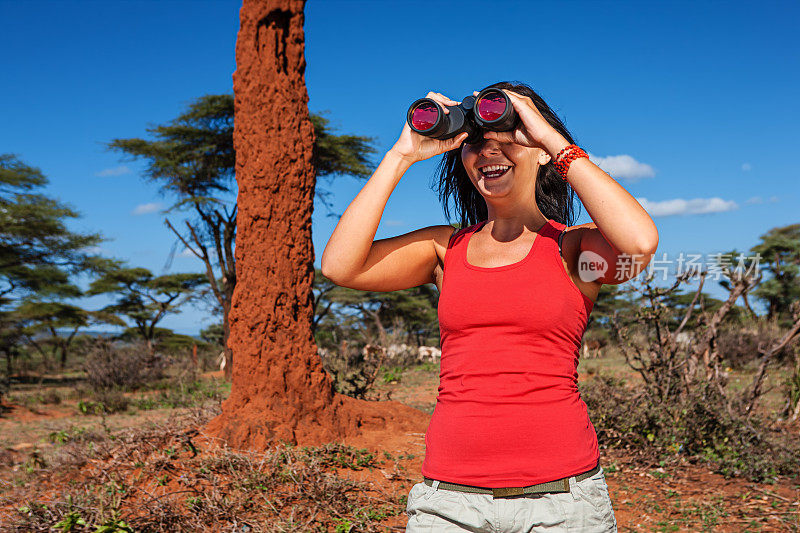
[[414, 147]]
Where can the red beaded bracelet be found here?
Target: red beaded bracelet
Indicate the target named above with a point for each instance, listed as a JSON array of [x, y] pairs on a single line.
[[573, 152], [567, 148]]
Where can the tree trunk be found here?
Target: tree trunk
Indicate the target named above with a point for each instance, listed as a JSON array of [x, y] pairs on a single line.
[[279, 390], [9, 366], [151, 347]]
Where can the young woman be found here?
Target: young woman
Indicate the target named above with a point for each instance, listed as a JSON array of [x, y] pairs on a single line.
[[510, 446]]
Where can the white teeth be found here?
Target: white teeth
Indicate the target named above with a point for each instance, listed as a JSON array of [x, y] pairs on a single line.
[[492, 168]]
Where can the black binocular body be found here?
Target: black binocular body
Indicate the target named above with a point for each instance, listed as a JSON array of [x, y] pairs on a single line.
[[490, 110]]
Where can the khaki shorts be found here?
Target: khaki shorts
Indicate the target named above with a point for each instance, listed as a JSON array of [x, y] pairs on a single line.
[[585, 509]]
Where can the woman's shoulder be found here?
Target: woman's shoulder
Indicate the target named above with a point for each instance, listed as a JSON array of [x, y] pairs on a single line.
[[445, 237], [442, 234], [458, 231], [575, 231], [569, 237]]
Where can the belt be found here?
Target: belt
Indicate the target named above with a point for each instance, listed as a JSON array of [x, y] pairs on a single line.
[[558, 485]]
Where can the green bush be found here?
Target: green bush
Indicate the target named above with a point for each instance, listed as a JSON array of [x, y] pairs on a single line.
[[393, 374], [697, 427], [105, 401]]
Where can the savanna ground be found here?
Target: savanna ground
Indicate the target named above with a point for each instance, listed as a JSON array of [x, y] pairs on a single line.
[[66, 465]]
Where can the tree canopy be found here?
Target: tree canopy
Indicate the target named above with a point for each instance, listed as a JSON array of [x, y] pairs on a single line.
[[779, 250], [37, 249], [146, 299], [38, 252], [192, 160]]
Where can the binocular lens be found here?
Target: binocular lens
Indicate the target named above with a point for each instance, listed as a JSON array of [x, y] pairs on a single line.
[[491, 106], [494, 111], [424, 116]]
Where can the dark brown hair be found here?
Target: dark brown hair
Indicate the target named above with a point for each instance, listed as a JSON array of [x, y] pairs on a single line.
[[554, 196]]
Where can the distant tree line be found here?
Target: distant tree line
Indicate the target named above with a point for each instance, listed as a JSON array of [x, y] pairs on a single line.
[[191, 159], [42, 263]]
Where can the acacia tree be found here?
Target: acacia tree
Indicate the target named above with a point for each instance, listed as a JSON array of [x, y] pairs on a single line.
[[193, 160], [414, 307], [38, 252], [61, 321], [372, 313], [780, 250], [145, 299]]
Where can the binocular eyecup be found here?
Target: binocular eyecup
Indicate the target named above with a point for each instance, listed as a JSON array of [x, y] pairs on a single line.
[[490, 110]]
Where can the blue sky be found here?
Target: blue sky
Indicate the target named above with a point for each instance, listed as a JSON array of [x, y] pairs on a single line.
[[691, 106]]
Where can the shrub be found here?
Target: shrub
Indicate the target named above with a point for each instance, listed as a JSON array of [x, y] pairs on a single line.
[[105, 401], [51, 397], [46, 397], [698, 426], [353, 369], [738, 344], [393, 374], [111, 400], [121, 367]]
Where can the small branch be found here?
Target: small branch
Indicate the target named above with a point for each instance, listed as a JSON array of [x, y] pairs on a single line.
[[691, 305], [790, 337]]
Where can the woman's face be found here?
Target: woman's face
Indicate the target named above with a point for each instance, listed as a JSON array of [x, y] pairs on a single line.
[[496, 168]]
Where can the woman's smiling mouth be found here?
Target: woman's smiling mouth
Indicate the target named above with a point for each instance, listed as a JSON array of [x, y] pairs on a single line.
[[493, 171]]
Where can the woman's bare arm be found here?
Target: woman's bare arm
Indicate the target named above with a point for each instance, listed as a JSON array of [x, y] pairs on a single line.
[[400, 262], [352, 259]]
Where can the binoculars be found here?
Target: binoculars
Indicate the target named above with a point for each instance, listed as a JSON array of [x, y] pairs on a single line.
[[490, 110]]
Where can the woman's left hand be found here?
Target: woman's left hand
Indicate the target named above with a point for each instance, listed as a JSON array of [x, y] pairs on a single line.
[[533, 128]]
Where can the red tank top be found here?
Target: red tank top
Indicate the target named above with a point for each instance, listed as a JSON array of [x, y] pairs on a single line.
[[508, 412]]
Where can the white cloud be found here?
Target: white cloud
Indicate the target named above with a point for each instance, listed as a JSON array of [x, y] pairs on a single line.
[[680, 206], [746, 167], [623, 167], [115, 171], [146, 209], [186, 253], [760, 200]]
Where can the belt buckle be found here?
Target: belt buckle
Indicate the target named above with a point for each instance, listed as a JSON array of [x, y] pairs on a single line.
[[507, 491]]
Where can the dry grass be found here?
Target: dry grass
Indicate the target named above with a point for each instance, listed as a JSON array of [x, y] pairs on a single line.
[[160, 478]]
